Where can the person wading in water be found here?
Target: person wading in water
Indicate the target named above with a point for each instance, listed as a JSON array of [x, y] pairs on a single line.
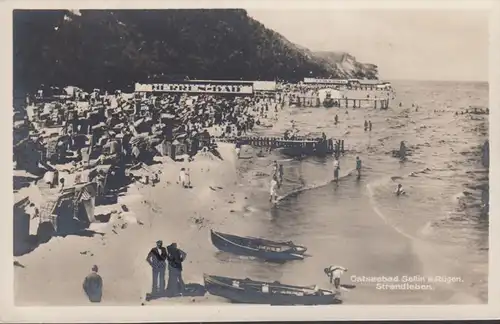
[[273, 196], [358, 166], [336, 168]]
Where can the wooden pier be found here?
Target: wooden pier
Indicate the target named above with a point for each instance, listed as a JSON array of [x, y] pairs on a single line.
[[382, 103], [296, 146], [308, 101]]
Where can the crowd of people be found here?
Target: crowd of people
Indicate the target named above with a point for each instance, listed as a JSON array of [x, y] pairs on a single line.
[[126, 129]]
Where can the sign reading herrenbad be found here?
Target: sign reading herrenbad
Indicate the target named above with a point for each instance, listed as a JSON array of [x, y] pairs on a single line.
[[195, 88]]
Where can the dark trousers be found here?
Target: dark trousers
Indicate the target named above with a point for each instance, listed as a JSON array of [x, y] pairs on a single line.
[[175, 283], [158, 279]]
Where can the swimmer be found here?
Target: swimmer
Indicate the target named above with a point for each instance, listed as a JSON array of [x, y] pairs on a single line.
[[399, 190]]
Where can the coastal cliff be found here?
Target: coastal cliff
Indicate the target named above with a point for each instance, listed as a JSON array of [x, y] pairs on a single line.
[[347, 65], [112, 49]]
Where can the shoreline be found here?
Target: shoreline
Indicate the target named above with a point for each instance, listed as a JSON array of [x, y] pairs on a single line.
[[166, 212]]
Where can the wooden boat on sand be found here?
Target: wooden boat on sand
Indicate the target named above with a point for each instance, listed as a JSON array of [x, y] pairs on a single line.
[[258, 247], [259, 292]]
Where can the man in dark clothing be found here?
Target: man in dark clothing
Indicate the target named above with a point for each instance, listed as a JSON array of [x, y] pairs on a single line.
[[156, 259], [92, 285], [175, 258]]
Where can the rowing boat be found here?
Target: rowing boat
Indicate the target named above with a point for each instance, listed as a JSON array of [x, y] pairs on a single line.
[[257, 247], [259, 292]]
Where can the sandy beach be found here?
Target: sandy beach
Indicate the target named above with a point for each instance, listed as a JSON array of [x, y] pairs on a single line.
[[119, 247], [231, 195]]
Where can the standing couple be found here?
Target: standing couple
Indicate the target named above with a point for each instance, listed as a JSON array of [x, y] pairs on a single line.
[[158, 258]]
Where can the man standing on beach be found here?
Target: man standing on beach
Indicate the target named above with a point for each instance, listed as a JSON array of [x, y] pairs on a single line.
[[157, 260], [334, 273], [92, 285], [175, 258]]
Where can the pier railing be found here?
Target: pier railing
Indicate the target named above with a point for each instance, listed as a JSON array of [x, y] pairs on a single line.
[[302, 144]]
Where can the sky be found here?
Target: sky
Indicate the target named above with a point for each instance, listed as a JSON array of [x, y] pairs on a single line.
[[405, 44]]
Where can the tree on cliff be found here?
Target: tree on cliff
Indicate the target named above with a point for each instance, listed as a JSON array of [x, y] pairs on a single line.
[[112, 49]]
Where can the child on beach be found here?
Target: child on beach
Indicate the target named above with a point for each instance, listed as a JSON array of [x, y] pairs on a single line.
[[182, 177]]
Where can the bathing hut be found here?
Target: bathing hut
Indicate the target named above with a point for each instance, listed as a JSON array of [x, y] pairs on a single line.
[[68, 211]]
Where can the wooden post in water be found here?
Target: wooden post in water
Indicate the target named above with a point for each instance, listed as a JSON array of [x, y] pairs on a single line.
[[375, 103], [342, 146]]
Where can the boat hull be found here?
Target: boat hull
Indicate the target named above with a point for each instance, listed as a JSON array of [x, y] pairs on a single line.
[[226, 245], [244, 295]]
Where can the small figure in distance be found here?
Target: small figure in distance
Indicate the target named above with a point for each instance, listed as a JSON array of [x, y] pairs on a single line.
[[92, 285], [358, 166], [273, 195], [156, 258], [399, 190], [336, 168]]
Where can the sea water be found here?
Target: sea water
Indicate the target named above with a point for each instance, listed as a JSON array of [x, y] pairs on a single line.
[[361, 224]]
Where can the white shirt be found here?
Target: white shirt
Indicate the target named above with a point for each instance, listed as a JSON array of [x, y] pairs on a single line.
[[336, 164], [337, 271], [182, 176], [273, 187]]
